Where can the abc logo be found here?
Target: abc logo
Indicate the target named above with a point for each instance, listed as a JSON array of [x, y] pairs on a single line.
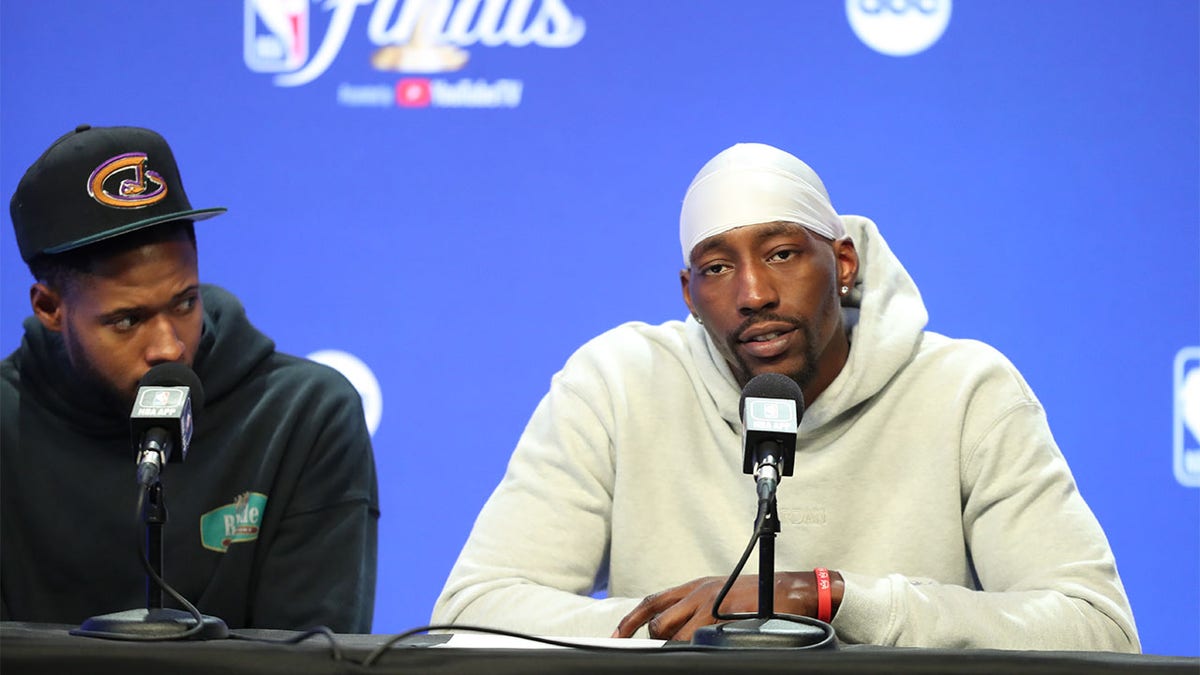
[[898, 27]]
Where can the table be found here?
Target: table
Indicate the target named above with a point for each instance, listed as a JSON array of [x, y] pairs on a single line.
[[49, 648]]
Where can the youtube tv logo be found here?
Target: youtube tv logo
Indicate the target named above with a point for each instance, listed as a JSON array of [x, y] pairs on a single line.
[[413, 92]]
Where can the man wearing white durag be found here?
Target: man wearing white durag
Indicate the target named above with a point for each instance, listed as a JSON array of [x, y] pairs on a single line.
[[930, 505]]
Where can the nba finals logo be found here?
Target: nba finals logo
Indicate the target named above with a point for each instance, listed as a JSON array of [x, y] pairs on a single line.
[[409, 36], [276, 35], [898, 27], [1187, 416]]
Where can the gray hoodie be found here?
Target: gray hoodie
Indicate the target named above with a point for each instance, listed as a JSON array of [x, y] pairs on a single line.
[[926, 474]]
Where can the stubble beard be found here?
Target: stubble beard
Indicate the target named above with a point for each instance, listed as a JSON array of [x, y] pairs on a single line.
[[120, 402], [808, 369]]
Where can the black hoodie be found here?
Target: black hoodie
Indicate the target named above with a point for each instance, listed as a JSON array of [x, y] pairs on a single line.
[[271, 519]]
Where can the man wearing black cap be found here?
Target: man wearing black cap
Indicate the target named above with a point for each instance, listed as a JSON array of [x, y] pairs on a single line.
[[272, 518]]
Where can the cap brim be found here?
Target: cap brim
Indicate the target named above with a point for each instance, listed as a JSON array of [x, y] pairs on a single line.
[[193, 215]]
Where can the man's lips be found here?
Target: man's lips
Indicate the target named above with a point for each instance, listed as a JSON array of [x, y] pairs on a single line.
[[766, 340]]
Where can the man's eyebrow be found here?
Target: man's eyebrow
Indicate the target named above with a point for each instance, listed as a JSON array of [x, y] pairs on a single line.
[[138, 309], [781, 227], [708, 245], [190, 290], [772, 229]]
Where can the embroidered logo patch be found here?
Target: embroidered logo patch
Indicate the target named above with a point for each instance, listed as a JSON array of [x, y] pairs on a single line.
[[124, 182], [234, 523]]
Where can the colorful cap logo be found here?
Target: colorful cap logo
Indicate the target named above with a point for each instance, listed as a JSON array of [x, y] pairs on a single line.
[[124, 182]]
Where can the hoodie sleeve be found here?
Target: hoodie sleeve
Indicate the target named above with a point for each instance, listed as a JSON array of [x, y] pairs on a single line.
[[318, 565], [538, 549], [1047, 576]]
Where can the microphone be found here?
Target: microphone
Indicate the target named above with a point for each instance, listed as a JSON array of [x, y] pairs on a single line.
[[160, 423], [161, 428], [771, 408]]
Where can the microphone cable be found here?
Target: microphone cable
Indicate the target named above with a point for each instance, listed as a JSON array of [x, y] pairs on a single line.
[[760, 527], [162, 584], [335, 651], [382, 649], [136, 631]]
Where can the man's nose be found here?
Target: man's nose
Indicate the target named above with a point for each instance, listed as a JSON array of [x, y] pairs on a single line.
[[165, 345], [756, 290]]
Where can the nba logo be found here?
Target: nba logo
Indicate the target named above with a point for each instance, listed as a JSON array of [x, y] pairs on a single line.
[[276, 35], [162, 397], [1187, 416]]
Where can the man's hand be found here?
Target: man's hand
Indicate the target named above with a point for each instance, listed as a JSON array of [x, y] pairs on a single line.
[[674, 614]]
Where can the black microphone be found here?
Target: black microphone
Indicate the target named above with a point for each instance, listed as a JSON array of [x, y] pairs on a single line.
[[161, 420], [771, 408]]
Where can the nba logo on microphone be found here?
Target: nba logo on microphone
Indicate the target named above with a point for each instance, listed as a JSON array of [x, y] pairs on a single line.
[[276, 37], [1187, 416]]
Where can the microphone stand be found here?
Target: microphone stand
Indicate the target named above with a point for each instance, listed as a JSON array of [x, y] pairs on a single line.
[[767, 528], [154, 516], [767, 629], [155, 622]]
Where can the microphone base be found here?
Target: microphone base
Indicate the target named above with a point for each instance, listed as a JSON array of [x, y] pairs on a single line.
[[777, 632], [151, 624]]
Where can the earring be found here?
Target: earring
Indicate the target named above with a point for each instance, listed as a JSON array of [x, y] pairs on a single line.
[[698, 319], [845, 290]]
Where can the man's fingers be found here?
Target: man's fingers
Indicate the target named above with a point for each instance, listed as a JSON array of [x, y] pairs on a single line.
[[664, 625], [671, 610], [687, 630], [646, 609], [679, 620]]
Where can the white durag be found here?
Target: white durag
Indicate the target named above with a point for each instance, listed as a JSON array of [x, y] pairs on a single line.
[[752, 183]]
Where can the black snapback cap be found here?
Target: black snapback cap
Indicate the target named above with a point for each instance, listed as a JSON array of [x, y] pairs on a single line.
[[95, 183]]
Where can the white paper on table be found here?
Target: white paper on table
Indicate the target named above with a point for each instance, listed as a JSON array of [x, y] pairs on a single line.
[[486, 641]]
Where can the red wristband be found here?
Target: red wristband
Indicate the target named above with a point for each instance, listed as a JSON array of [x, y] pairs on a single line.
[[824, 595]]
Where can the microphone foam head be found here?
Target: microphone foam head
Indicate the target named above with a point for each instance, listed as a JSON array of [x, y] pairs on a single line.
[[176, 375], [772, 385]]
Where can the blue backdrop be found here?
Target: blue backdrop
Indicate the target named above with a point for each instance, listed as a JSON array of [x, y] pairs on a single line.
[[458, 197]]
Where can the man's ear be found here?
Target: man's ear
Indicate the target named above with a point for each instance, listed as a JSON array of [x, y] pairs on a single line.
[[47, 306], [685, 277], [847, 261]]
